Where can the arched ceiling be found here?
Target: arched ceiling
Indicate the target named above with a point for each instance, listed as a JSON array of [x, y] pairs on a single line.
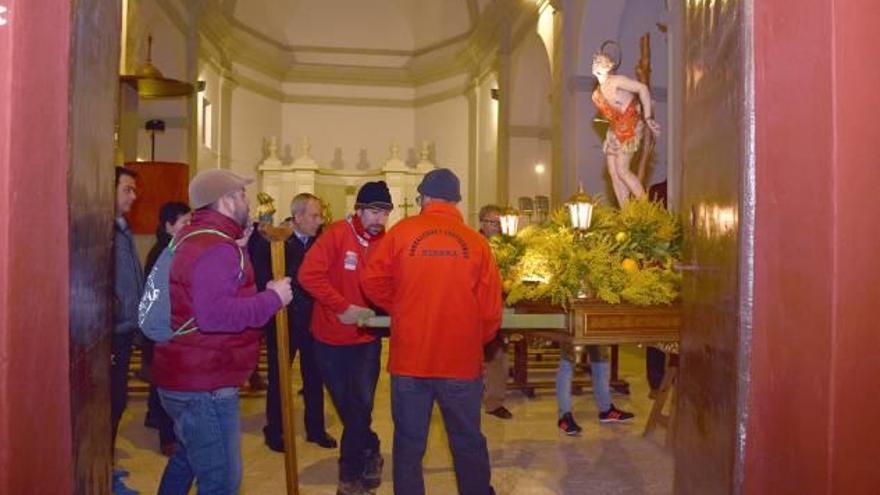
[[397, 25]]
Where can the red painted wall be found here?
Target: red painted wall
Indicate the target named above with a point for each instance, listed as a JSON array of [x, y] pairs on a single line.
[[814, 394], [855, 402], [35, 446]]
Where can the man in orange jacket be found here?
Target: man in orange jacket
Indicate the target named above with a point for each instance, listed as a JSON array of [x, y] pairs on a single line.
[[437, 278], [348, 356]]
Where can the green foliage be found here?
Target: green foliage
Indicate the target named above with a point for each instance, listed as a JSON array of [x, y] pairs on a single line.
[[653, 234], [651, 286], [625, 256]]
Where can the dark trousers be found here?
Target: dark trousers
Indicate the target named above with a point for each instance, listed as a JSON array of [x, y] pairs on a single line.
[[313, 385], [155, 411], [412, 402], [350, 373], [120, 356], [655, 365]]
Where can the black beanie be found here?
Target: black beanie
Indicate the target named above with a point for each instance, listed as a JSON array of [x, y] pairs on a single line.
[[441, 183], [374, 195]]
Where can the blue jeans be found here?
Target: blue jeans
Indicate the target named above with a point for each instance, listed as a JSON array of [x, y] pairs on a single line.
[[412, 401], [209, 442], [600, 372], [350, 373]]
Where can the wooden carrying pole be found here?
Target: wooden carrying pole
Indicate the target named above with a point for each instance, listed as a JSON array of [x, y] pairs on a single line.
[[281, 333]]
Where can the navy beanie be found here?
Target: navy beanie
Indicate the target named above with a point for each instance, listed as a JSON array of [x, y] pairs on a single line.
[[374, 195], [441, 183]]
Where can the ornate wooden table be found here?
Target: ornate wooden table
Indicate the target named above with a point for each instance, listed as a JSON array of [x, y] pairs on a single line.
[[587, 322]]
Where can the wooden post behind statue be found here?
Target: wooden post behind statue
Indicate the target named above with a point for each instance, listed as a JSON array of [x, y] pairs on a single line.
[[643, 74]]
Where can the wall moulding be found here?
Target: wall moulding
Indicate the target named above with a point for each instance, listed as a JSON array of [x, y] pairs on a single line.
[[279, 95], [531, 131]]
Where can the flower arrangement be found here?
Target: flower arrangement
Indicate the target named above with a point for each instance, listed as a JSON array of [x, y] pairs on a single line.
[[625, 256]]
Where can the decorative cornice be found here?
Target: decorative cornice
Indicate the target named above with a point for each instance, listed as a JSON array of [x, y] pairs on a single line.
[[349, 101], [531, 131]]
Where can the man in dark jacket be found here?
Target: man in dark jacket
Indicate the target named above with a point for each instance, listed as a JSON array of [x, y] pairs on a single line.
[[197, 373], [128, 285], [306, 218]]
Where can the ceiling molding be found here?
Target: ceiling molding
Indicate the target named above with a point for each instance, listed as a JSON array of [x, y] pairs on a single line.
[[349, 101], [349, 74], [543, 133]]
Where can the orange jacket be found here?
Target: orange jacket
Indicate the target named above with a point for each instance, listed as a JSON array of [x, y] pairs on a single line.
[[437, 279], [329, 273]]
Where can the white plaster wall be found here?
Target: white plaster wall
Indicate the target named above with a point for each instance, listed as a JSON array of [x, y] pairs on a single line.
[[525, 154], [445, 125], [254, 118], [374, 24], [340, 134], [171, 145], [168, 55], [530, 83], [530, 118]]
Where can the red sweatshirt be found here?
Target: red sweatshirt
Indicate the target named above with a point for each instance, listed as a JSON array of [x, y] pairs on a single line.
[[438, 279], [329, 273]]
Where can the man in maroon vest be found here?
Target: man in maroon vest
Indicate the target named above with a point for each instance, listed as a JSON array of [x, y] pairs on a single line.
[[198, 373]]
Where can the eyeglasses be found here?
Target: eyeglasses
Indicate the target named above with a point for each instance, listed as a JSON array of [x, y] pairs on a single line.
[[496, 223]]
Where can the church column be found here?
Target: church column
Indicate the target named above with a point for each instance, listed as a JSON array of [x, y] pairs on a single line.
[[191, 76], [503, 97], [227, 86], [473, 132], [563, 172]]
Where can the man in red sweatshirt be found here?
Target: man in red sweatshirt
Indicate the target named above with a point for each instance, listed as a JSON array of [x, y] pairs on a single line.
[[438, 279], [197, 374], [348, 356]]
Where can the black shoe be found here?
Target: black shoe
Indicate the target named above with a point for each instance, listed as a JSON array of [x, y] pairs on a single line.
[[351, 488], [501, 412], [372, 477], [568, 425], [274, 442], [325, 441], [615, 415]]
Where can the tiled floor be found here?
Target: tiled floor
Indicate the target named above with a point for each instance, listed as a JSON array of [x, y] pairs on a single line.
[[529, 455]]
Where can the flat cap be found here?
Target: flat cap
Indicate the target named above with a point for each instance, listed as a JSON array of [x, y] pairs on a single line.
[[210, 185]]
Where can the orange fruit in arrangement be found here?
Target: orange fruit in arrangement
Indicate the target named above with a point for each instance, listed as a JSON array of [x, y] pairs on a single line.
[[630, 265]]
